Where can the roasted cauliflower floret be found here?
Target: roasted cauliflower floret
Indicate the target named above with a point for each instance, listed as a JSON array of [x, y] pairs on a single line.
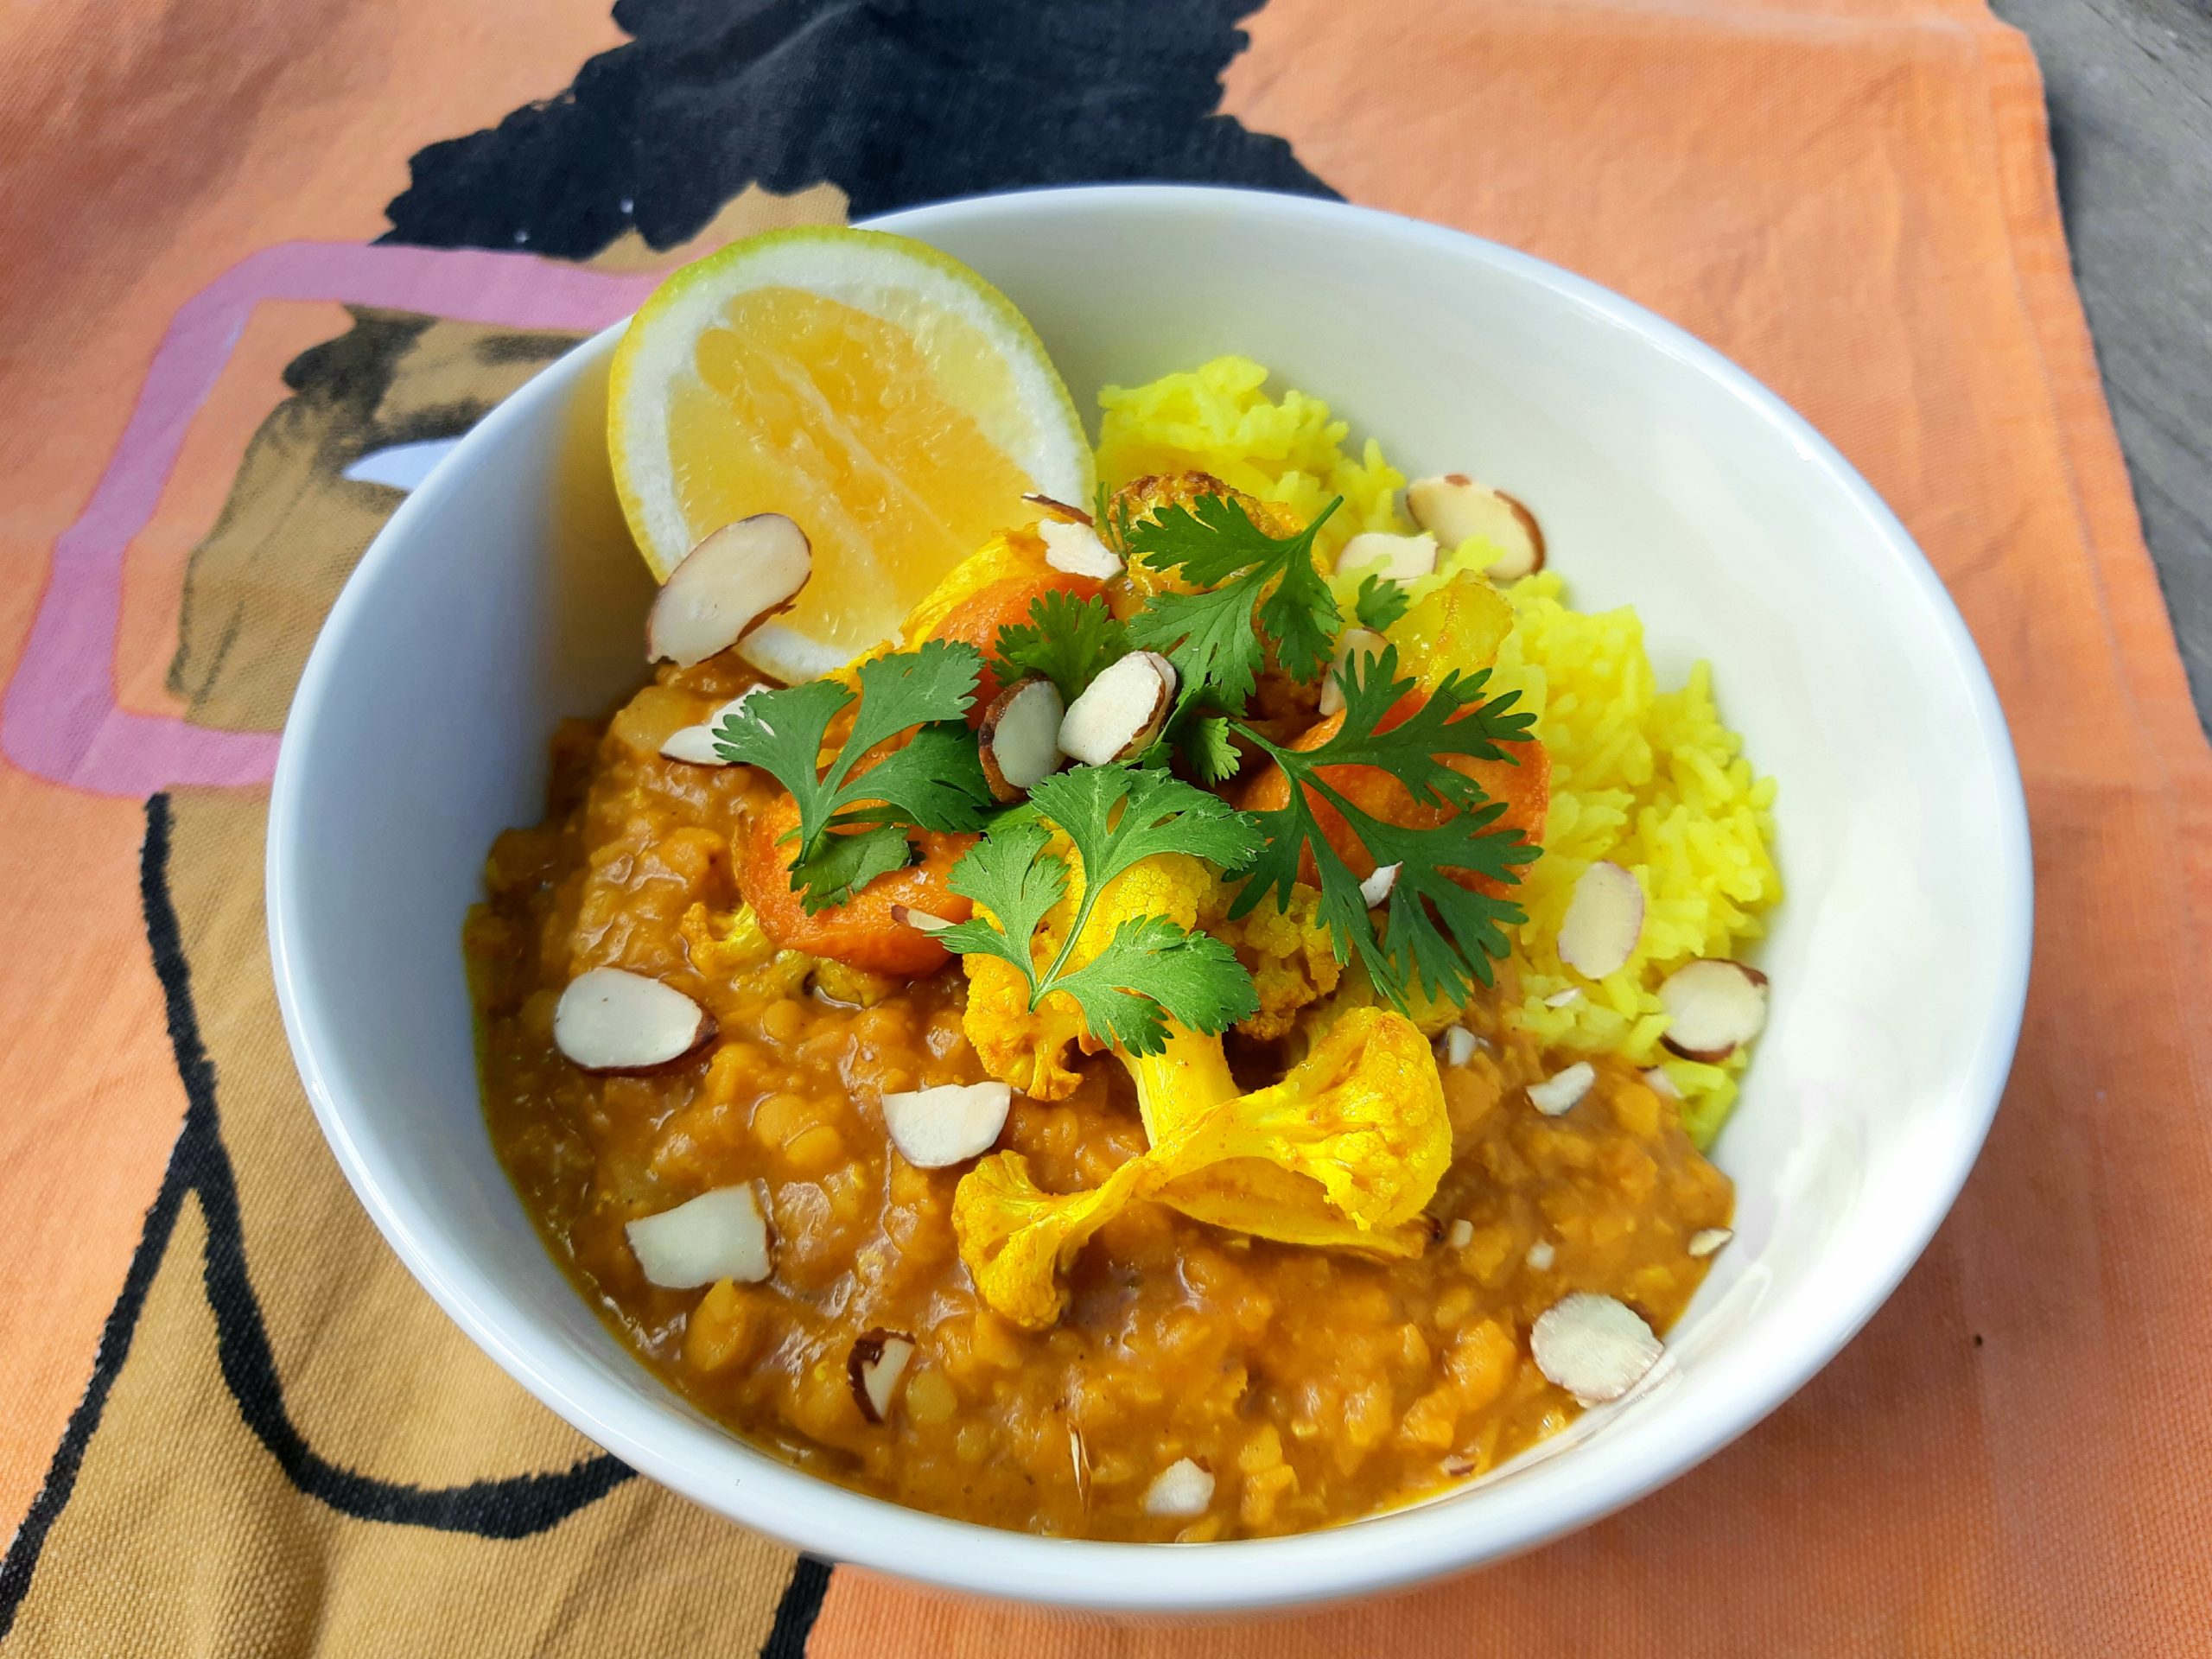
[[1289, 954], [1343, 1153]]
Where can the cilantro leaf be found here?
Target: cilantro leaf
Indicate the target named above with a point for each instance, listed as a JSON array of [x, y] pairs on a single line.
[[934, 782], [846, 863], [1068, 640], [1211, 750], [1191, 978], [1437, 934], [1381, 602], [1244, 576], [1151, 970]]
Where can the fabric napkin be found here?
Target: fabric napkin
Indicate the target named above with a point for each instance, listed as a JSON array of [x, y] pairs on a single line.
[[239, 325]]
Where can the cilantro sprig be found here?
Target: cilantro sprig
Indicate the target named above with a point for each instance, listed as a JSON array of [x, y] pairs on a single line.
[[1068, 640], [1241, 573], [1381, 602], [852, 822], [1436, 933], [1151, 969]]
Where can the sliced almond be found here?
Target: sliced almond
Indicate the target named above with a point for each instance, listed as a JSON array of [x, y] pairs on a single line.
[[1561, 999], [1394, 558], [1542, 1255], [1459, 1235], [1656, 1079], [1059, 510], [696, 744], [1563, 1092], [1604, 918], [1184, 1487], [1458, 1468], [1713, 1006], [1375, 889], [734, 578], [1595, 1347], [1455, 509], [1458, 1045], [1707, 1240], [1120, 712], [878, 1361], [920, 920], [1077, 549], [1020, 738], [611, 1020], [1362, 643], [949, 1124], [718, 1234]]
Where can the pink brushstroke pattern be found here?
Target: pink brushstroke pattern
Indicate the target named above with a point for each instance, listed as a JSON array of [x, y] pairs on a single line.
[[59, 721]]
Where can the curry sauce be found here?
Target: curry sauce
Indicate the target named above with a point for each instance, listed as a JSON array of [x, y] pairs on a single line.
[[1314, 1385]]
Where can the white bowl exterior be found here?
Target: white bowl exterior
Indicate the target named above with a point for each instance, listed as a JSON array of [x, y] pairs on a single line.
[[503, 595]]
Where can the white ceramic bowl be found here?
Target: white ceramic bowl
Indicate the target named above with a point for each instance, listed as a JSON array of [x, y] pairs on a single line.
[[504, 595]]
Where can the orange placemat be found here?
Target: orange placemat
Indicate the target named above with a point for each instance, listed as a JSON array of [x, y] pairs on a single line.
[[235, 1422]]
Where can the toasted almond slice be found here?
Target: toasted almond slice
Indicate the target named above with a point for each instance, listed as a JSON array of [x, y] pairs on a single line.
[[1059, 510], [920, 920], [878, 1361], [1455, 509], [718, 1234], [1604, 918], [1394, 558], [1707, 1240], [611, 1020], [1656, 1079], [1458, 1468], [696, 744], [1561, 1093], [1714, 1005], [1542, 1255], [1120, 712], [1362, 643], [1184, 1487], [1375, 889], [1458, 1045], [1561, 999], [1459, 1235], [1077, 549], [1020, 738], [735, 577], [954, 1121], [1595, 1347]]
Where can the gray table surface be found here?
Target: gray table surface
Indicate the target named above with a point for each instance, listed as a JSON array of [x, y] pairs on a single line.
[[2130, 87]]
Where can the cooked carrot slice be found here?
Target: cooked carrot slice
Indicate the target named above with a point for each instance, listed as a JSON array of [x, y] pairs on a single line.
[[863, 931]]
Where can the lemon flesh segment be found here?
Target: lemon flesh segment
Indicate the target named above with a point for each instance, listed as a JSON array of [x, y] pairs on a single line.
[[884, 397]]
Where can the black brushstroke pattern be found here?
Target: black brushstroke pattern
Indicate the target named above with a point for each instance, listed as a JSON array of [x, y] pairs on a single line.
[[896, 102], [796, 1613], [515, 1507]]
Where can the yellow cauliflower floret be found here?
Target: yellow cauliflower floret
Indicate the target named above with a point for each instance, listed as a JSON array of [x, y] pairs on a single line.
[[1343, 1151], [728, 946], [1287, 952], [1029, 1047]]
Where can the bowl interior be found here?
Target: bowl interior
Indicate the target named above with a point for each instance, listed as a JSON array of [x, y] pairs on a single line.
[[504, 595]]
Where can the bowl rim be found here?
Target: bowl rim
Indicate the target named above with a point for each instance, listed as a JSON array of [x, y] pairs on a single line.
[[1399, 1548]]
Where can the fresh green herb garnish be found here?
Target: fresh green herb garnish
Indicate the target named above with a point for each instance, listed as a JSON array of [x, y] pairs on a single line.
[[1211, 750], [935, 782], [1381, 602], [1067, 640], [1151, 970], [1243, 572], [1437, 934]]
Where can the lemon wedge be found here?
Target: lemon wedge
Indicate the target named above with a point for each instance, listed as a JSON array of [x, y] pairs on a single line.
[[882, 395]]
